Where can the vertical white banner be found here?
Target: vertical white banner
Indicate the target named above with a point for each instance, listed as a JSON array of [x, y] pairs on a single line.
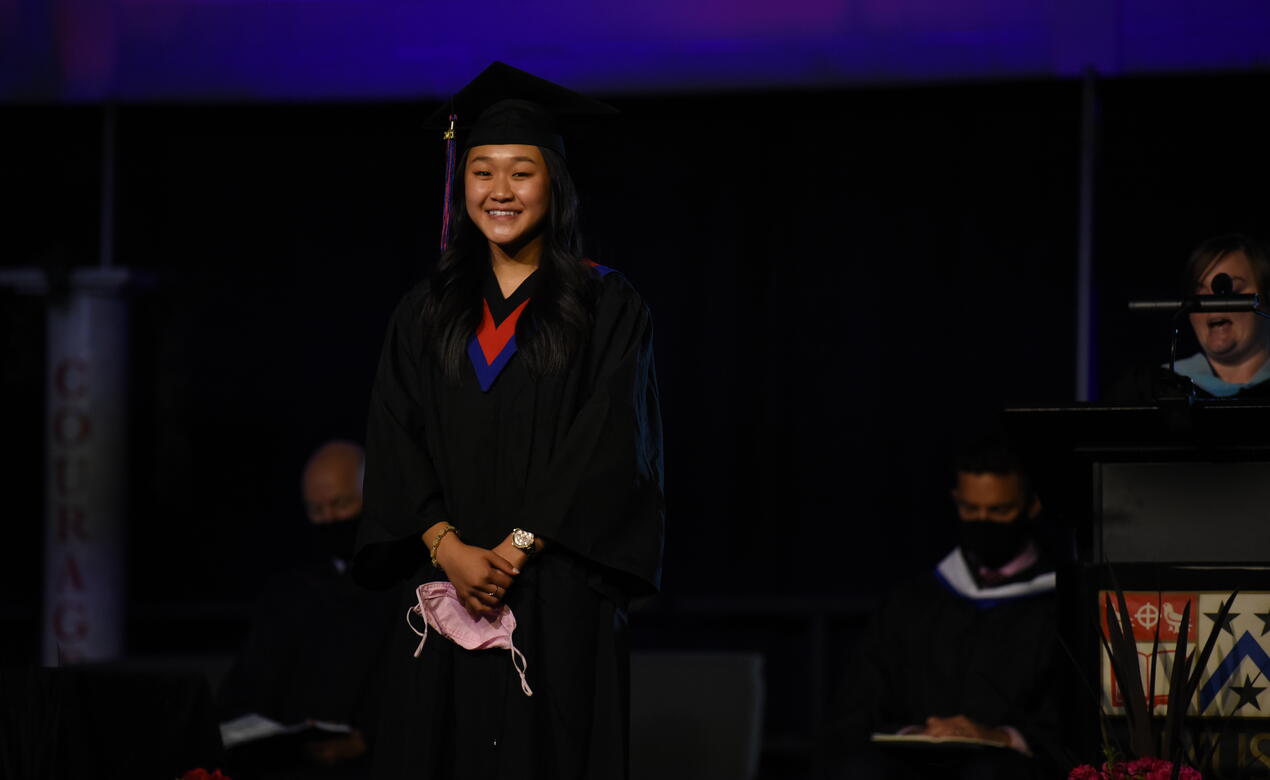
[[86, 473]]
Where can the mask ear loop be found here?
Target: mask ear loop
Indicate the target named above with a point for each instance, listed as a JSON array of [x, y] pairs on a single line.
[[424, 633], [520, 669], [518, 658]]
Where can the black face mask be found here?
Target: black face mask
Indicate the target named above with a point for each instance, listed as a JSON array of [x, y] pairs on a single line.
[[993, 545], [338, 539]]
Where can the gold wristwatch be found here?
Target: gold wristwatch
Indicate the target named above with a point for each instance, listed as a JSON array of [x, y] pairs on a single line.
[[523, 540]]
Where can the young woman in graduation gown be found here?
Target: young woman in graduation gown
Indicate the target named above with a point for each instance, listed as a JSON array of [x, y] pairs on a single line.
[[514, 435]]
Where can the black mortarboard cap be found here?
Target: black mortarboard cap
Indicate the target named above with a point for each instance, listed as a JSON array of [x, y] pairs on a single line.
[[506, 105]]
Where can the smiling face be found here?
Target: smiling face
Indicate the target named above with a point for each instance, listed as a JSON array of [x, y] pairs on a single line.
[[508, 194], [1230, 339]]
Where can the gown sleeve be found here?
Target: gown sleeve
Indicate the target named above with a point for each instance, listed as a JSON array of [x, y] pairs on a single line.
[[601, 496], [401, 488]]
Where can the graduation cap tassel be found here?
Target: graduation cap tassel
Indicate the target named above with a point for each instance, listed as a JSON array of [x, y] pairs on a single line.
[[449, 183]]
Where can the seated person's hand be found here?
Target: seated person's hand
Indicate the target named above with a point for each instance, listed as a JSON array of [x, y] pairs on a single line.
[[961, 726], [336, 749]]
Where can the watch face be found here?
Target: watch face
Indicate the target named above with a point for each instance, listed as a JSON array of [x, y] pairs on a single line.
[[522, 539]]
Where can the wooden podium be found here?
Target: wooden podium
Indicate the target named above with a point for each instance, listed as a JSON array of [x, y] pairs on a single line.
[[1172, 504]]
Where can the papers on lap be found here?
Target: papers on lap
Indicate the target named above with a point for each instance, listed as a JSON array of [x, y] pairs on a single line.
[[923, 741], [253, 727]]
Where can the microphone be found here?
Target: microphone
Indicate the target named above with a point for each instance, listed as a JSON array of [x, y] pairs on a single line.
[[1222, 299]]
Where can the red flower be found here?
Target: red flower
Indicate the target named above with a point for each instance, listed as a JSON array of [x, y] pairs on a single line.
[[203, 774], [1137, 769], [1158, 769]]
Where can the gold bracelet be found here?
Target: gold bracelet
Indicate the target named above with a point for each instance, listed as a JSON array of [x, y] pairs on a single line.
[[449, 529]]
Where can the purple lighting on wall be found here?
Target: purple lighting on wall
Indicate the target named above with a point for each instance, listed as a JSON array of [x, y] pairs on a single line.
[[78, 50]]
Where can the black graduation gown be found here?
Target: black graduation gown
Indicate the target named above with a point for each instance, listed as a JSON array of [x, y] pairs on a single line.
[[313, 653], [930, 651], [575, 458]]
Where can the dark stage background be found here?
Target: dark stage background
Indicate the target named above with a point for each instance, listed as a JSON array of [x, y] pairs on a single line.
[[844, 284]]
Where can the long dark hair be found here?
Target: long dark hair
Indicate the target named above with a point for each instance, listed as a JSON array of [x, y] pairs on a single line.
[[559, 316]]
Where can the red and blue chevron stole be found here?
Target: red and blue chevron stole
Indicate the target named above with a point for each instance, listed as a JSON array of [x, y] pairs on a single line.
[[495, 340]]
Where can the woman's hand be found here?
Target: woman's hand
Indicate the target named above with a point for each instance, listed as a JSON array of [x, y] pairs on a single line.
[[510, 553], [480, 577]]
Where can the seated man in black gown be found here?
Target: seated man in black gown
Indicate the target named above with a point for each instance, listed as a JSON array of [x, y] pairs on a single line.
[[966, 651], [315, 641]]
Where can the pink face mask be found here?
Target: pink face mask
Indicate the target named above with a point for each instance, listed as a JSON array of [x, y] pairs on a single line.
[[440, 608]]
